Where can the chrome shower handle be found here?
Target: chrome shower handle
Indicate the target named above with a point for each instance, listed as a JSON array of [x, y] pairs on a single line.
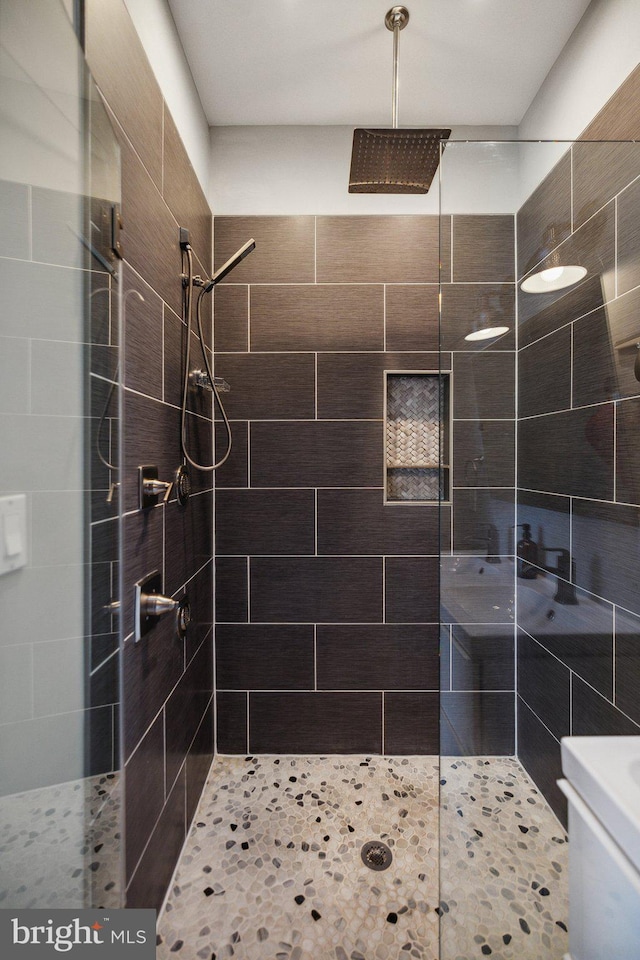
[[154, 488]]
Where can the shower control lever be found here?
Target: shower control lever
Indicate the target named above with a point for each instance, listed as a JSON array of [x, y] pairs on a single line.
[[150, 488], [151, 604]]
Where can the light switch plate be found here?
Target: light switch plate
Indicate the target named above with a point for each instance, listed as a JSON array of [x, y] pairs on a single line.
[[13, 532]]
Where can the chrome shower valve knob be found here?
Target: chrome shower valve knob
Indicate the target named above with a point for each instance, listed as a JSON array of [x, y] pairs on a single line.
[[152, 490]]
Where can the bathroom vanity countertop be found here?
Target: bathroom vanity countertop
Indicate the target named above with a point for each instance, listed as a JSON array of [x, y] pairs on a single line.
[[605, 771]]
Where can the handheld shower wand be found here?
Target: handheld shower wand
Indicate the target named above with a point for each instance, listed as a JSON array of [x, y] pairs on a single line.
[[205, 286]]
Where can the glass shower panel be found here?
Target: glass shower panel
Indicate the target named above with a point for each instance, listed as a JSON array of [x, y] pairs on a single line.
[[59, 185], [540, 281]]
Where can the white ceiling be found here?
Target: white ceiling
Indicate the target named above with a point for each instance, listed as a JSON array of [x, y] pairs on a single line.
[[329, 61]]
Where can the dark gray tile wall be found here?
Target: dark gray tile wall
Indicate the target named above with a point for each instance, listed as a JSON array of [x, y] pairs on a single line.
[[167, 683], [578, 659], [326, 597]]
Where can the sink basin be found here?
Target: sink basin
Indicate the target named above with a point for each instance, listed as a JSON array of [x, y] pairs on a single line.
[[606, 773]]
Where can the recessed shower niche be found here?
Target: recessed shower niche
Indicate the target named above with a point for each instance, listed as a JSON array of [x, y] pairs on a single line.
[[417, 437]]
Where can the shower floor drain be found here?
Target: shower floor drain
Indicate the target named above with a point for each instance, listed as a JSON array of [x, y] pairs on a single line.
[[376, 855]]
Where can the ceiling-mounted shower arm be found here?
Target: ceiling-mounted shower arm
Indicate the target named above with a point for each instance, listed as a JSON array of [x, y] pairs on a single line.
[[396, 20]]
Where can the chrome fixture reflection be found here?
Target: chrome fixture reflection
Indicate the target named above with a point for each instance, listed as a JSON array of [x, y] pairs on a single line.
[[392, 160], [202, 380], [550, 272]]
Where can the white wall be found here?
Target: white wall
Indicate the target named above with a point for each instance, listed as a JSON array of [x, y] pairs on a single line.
[[298, 170], [600, 54], [290, 170], [157, 31]]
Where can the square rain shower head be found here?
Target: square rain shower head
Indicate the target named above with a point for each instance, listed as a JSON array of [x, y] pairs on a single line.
[[394, 161]]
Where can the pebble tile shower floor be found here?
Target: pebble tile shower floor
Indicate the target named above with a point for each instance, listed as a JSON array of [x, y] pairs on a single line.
[[272, 867]]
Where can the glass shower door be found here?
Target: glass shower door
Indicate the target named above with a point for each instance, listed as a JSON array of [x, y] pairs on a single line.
[[59, 656]]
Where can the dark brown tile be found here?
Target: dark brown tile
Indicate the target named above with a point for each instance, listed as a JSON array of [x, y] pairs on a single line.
[[119, 66], [142, 336], [199, 591], [268, 386], [580, 635], [548, 517], [544, 375], [231, 722], [594, 372], [484, 385], [544, 685], [183, 193], [544, 220], [234, 472], [231, 590], [231, 317], [605, 550], [411, 318], [185, 709], [594, 716], [591, 246], [316, 589], [411, 724], [250, 522], [600, 171], [144, 796], [262, 657], [569, 453], [359, 522], [150, 234], [629, 239], [482, 657], [377, 249], [330, 316], [539, 752], [315, 722], [175, 342], [152, 437], [378, 657], [189, 540], [284, 250], [467, 306], [411, 590], [483, 522], [148, 886], [142, 554], [316, 453], [473, 724], [627, 452], [199, 761], [351, 385], [627, 688], [618, 119], [483, 249], [541, 314], [483, 453]]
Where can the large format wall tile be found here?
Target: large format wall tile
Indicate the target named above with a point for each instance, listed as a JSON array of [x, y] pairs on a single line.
[[254, 522], [268, 386], [315, 722], [474, 723], [594, 716], [466, 306], [605, 548], [543, 683], [359, 522], [544, 375], [323, 317], [316, 454], [411, 594], [411, 723], [629, 238], [183, 194], [568, 453], [483, 249], [284, 250], [375, 249], [316, 589], [483, 453], [484, 386], [411, 316], [544, 220], [377, 657], [265, 657], [539, 752]]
